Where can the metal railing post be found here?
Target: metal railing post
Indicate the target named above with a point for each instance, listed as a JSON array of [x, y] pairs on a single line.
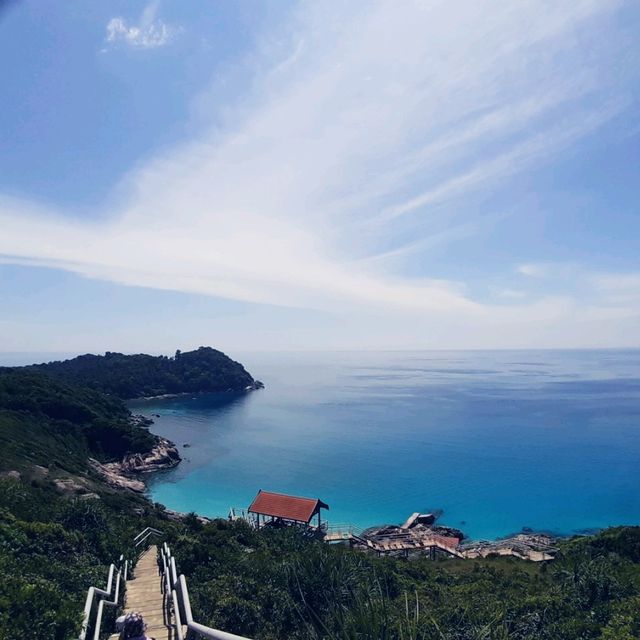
[[96, 631], [186, 604], [88, 605], [108, 603], [110, 579], [92, 593], [176, 615], [176, 596], [105, 594], [174, 572], [164, 573]]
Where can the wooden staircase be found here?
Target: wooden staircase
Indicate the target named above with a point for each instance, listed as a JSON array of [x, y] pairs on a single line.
[[144, 596]]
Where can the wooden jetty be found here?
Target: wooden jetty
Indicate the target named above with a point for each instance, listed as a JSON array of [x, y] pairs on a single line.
[[534, 547], [418, 535], [394, 540], [414, 537]]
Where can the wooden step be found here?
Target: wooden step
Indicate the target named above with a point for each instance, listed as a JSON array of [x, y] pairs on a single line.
[[144, 596]]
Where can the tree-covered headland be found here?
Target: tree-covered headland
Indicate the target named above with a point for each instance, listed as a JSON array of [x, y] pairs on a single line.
[[135, 376], [61, 526]]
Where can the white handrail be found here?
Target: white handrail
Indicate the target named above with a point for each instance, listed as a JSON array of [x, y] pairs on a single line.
[[174, 571], [149, 532], [179, 599], [176, 613], [145, 531], [91, 596], [105, 594], [108, 603]]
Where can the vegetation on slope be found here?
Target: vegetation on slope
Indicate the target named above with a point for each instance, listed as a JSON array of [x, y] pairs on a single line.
[[278, 584], [53, 548], [275, 584], [267, 584], [49, 422], [135, 376]]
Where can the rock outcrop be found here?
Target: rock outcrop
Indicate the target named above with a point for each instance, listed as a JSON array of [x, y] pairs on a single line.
[[139, 420], [71, 486], [164, 455], [111, 473], [121, 475]]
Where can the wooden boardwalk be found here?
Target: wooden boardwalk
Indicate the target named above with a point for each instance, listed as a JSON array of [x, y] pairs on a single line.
[[397, 543], [144, 596]]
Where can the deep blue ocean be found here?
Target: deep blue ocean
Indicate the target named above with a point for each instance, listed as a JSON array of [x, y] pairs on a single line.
[[497, 441]]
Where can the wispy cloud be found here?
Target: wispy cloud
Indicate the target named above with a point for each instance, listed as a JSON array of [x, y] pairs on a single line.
[[508, 294], [532, 270], [378, 115], [514, 160], [618, 289], [148, 33]]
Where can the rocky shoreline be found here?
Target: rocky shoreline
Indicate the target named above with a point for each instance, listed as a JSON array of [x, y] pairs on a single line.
[[122, 475], [254, 386]]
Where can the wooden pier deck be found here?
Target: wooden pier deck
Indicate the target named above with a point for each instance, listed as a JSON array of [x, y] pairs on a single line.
[[401, 542]]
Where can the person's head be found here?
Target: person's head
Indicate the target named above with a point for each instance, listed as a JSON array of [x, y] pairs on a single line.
[[134, 626]]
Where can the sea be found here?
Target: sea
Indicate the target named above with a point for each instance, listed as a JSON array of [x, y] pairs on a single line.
[[496, 442]]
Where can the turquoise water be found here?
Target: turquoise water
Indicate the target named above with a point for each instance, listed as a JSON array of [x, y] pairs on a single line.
[[496, 440]]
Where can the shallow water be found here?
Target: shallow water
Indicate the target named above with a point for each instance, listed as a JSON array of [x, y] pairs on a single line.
[[496, 440]]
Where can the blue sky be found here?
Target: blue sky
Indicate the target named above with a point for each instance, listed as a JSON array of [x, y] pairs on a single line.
[[340, 175]]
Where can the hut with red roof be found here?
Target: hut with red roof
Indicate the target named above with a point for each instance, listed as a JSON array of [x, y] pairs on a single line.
[[280, 507]]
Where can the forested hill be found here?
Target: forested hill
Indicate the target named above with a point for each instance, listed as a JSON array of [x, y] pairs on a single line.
[[135, 376], [49, 422]]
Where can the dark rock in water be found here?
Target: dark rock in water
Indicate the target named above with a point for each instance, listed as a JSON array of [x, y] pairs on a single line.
[[380, 530], [186, 445], [527, 530], [448, 532], [416, 519], [141, 421], [156, 415]]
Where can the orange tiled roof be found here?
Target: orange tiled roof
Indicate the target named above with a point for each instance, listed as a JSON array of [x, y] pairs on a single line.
[[280, 505]]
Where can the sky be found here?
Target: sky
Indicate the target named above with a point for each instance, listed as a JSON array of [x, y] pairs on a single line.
[[404, 174]]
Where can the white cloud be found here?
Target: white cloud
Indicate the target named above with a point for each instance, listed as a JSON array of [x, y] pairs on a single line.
[[508, 294], [618, 289], [148, 33], [617, 281], [379, 114], [533, 270]]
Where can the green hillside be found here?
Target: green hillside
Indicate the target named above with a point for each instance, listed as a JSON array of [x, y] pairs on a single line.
[[268, 584], [49, 422], [135, 376], [277, 584]]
